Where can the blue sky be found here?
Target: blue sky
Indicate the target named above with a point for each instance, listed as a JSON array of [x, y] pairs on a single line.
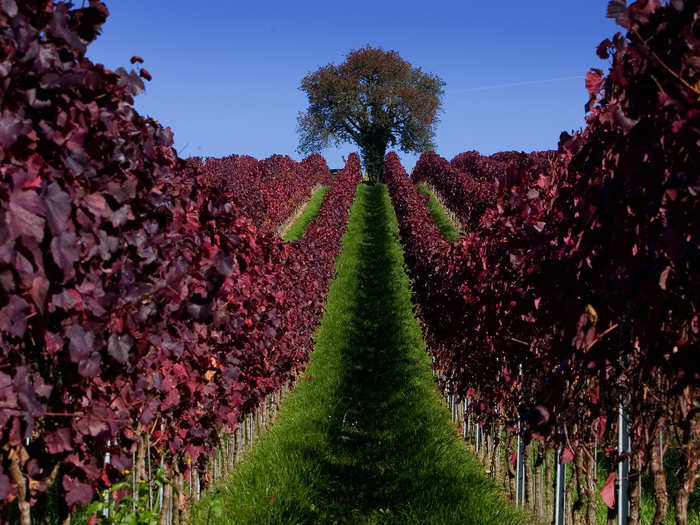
[[226, 74]]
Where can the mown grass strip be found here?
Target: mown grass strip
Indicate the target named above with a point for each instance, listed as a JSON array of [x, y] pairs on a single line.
[[311, 211], [447, 227], [364, 438]]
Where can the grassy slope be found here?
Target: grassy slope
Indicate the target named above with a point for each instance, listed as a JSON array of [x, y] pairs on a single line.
[[311, 210], [447, 227], [364, 438]]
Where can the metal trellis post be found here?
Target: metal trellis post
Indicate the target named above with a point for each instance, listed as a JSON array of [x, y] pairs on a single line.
[[623, 468], [560, 494], [520, 473], [108, 460], [520, 466]]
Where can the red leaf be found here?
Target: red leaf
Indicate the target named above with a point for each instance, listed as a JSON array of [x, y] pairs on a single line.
[[59, 441], [566, 455], [35, 183], [544, 414], [12, 126], [24, 215], [602, 49], [58, 207], [179, 370], [118, 347], [607, 491], [76, 491], [594, 81], [617, 9], [664, 277], [13, 317], [81, 343], [97, 204], [40, 286], [65, 249]]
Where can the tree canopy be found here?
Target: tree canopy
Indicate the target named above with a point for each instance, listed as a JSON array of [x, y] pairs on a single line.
[[374, 99]]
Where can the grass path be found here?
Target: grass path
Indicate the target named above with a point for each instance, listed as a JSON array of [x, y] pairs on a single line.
[[449, 232], [364, 437], [311, 211]]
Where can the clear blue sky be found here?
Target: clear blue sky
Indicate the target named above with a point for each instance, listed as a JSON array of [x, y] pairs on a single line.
[[226, 73]]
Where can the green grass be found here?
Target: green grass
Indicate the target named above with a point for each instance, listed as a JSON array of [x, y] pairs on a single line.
[[449, 232], [311, 210], [364, 438], [648, 506]]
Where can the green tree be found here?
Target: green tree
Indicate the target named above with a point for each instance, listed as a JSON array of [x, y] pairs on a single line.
[[374, 99]]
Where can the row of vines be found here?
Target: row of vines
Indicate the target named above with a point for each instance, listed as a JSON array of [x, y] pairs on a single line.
[[572, 297], [144, 310], [266, 191]]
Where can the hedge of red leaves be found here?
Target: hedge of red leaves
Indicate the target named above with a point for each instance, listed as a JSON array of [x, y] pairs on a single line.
[[491, 169], [135, 298], [324, 235], [464, 194], [504, 169], [585, 272], [267, 191], [422, 237]]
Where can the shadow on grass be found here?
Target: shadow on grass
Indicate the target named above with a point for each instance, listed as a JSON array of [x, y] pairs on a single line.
[[381, 436]]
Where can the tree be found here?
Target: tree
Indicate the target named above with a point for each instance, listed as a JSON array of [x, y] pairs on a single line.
[[374, 99]]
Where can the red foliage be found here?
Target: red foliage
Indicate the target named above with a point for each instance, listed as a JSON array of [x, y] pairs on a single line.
[[465, 195], [607, 491], [135, 296], [584, 272], [267, 191]]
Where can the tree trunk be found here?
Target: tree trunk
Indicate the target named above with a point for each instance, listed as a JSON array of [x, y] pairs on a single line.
[[612, 517], [496, 440], [635, 492], [140, 465], [499, 462], [510, 475], [231, 458], [581, 480], [656, 465], [537, 479], [25, 510], [179, 515], [683, 494], [373, 149], [547, 483], [591, 491], [569, 498], [681, 505], [687, 471], [47, 501], [529, 478], [167, 505], [237, 443], [195, 482], [483, 446]]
